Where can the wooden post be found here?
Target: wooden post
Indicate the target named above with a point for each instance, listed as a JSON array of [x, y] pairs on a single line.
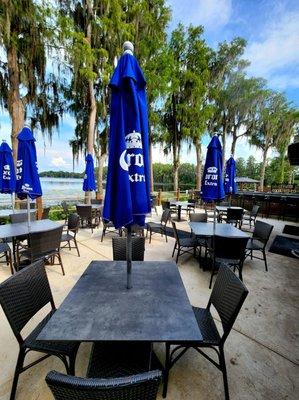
[[39, 207], [159, 197]]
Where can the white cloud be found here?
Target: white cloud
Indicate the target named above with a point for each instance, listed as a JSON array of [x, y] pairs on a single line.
[[59, 162], [213, 14], [277, 51]]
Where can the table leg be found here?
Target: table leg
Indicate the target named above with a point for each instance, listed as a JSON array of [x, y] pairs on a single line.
[[179, 212]]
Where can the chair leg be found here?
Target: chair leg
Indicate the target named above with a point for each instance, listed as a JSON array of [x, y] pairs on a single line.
[[178, 253], [173, 250], [265, 259], [10, 262], [60, 262], [76, 244], [18, 370], [166, 369], [224, 373]]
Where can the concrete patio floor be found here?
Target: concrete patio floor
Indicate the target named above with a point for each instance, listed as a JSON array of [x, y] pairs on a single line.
[[262, 352]]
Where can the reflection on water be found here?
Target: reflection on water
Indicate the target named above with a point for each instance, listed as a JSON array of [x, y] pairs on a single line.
[[55, 190]]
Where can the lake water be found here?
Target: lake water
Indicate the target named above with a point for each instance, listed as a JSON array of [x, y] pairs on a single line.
[[55, 190]]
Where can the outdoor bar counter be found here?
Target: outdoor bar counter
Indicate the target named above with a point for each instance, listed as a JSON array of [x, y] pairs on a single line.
[[283, 205]]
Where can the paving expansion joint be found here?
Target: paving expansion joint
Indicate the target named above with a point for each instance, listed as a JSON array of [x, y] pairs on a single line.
[[263, 345]]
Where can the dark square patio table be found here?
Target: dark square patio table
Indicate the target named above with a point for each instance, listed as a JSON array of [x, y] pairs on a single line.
[[100, 307], [206, 229], [179, 205], [21, 229]]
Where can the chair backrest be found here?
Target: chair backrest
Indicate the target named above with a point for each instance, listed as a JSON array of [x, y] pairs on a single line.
[[165, 204], [22, 217], [175, 232], [73, 222], [44, 243], [65, 207], [228, 296], [262, 231], [24, 294], [46, 211], [84, 211], [234, 214], [96, 201], [165, 216], [119, 246], [231, 248], [23, 206], [135, 387], [198, 217], [254, 211]]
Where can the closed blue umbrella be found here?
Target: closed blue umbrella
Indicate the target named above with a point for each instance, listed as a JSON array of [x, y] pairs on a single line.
[[89, 183], [230, 185], [212, 183], [127, 198], [28, 183], [7, 171]]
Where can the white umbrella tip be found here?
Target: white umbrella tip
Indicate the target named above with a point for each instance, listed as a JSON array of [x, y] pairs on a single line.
[[128, 47]]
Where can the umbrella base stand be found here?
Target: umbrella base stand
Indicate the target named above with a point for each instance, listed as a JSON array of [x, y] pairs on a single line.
[[129, 257]]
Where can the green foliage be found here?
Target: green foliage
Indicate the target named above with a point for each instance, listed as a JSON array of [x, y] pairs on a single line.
[[61, 174]]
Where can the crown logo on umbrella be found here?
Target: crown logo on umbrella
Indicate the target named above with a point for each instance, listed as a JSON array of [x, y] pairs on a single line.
[[133, 140]]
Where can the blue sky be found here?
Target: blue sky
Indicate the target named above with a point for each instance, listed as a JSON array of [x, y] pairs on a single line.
[[271, 28]]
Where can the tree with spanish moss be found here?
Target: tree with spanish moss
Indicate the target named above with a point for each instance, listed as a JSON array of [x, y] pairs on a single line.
[[26, 30]]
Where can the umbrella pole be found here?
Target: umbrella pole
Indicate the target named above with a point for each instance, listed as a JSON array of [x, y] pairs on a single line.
[[28, 210], [214, 219], [13, 202], [129, 257]]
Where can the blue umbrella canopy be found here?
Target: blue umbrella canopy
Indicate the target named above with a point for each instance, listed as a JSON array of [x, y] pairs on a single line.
[[127, 198], [89, 183], [28, 183], [230, 185], [212, 183], [7, 170]]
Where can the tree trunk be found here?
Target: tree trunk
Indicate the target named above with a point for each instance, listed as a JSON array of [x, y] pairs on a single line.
[[175, 149], [15, 105], [151, 165], [92, 99], [234, 141], [101, 158], [223, 150], [198, 164], [263, 169]]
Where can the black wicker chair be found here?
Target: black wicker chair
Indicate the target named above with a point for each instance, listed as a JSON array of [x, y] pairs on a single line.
[[43, 245], [66, 210], [119, 246], [234, 216], [250, 218], [190, 207], [21, 297], [21, 242], [23, 205], [46, 211], [6, 252], [22, 217], [108, 227], [198, 217], [183, 245], [96, 201], [159, 227], [87, 217], [70, 235], [229, 251], [259, 240], [228, 296]]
